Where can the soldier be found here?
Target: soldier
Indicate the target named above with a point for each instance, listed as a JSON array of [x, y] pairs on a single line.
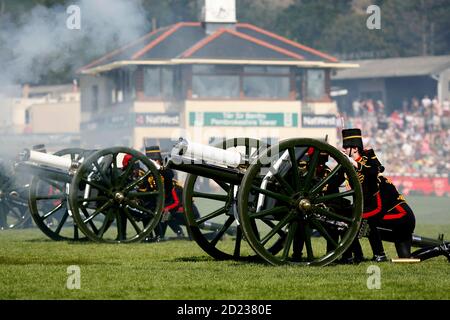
[[172, 198], [367, 171], [384, 207]]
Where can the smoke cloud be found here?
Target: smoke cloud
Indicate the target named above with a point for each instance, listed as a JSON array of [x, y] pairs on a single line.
[[40, 41]]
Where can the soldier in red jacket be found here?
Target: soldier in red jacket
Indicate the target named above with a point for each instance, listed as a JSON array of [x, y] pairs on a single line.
[[384, 207]]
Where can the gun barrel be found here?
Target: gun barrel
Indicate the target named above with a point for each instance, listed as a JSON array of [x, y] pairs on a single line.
[[208, 154], [43, 172], [46, 159]]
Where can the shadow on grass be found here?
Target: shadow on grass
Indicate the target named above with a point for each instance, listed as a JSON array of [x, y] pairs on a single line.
[[191, 259], [80, 241], [38, 261], [233, 262]]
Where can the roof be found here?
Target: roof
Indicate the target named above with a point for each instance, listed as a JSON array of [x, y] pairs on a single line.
[[395, 67], [186, 42]]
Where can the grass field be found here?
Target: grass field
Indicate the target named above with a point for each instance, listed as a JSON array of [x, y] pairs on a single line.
[[33, 267]]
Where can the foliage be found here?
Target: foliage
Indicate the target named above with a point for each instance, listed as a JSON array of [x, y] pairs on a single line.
[[408, 28]]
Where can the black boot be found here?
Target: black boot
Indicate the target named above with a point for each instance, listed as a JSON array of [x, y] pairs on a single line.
[[380, 257], [403, 248]]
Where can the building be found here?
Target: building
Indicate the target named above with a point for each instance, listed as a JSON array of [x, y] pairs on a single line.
[[394, 79], [204, 80], [41, 114]]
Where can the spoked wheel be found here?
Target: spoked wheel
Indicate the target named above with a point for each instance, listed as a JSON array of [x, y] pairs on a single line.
[[117, 195], [217, 207], [49, 207], [299, 186], [14, 213]]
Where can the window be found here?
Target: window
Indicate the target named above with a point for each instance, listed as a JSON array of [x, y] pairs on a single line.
[[158, 82], [298, 79], [215, 86], [266, 82], [266, 87], [95, 98], [315, 84], [27, 116], [121, 85], [233, 81]]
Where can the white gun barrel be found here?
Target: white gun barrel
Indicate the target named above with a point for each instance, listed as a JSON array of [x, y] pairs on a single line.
[[197, 151], [50, 160]]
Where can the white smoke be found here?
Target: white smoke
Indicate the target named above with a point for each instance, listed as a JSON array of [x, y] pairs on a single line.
[[40, 41]]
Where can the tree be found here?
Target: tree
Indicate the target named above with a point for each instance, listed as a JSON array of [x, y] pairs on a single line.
[[305, 21]]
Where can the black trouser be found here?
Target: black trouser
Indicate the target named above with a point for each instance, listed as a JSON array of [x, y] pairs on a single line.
[[176, 220], [395, 226]]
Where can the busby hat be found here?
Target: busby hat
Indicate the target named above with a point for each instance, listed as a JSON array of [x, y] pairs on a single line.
[[352, 138], [153, 152]]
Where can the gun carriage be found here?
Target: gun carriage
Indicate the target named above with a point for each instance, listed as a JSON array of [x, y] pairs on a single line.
[[274, 196]]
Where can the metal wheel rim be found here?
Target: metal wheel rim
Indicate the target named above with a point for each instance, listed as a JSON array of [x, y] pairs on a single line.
[[210, 246], [34, 211], [120, 213], [246, 220]]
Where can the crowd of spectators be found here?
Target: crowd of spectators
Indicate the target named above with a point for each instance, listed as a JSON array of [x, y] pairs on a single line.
[[414, 140]]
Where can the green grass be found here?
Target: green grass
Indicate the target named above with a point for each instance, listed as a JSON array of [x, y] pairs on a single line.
[[33, 267]]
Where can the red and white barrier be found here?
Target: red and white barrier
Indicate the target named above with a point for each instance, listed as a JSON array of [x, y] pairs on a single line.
[[437, 185]]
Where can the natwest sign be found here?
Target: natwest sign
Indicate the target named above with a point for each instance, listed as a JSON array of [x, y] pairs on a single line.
[[157, 119], [318, 121]]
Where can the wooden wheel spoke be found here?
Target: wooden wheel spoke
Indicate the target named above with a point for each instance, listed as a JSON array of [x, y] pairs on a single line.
[[76, 235], [222, 230], [105, 225], [266, 212], [277, 228], [271, 194], [226, 187], [237, 244], [133, 222], [332, 215], [92, 199], [295, 172], [323, 231], [120, 225], [137, 206], [113, 169], [312, 165], [308, 245], [137, 182], [61, 223], [334, 196], [135, 194], [289, 239], [125, 174], [55, 209], [96, 185], [60, 196], [218, 197], [319, 186], [102, 174], [99, 210], [284, 184], [212, 215]]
